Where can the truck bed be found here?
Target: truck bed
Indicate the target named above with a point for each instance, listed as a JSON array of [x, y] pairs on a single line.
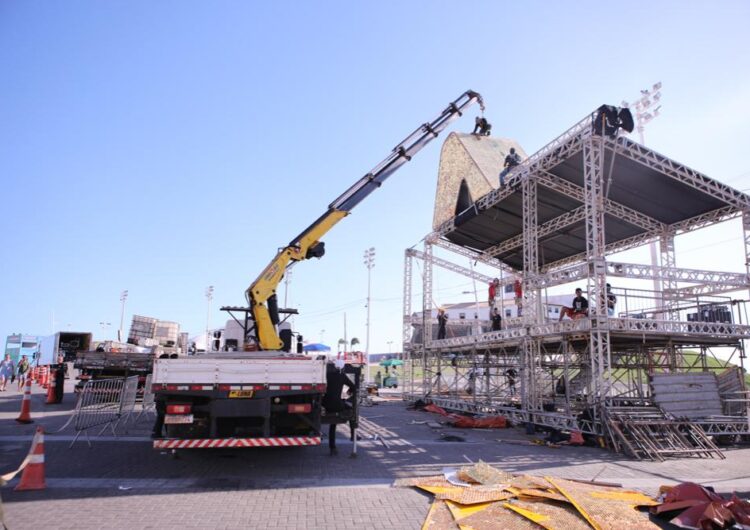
[[235, 368]]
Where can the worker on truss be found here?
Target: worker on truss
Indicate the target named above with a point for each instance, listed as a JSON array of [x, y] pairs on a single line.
[[492, 293], [442, 322], [579, 309], [512, 160]]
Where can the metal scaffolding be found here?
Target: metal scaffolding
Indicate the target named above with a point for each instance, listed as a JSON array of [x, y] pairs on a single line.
[[592, 374]]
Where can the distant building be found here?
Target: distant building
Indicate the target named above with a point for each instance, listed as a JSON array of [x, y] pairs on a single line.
[[18, 344]]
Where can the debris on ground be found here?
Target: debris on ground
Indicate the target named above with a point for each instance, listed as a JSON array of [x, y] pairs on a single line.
[[484, 497], [463, 421], [690, 505]]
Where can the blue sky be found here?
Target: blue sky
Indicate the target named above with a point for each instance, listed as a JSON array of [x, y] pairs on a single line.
[[164, 147]]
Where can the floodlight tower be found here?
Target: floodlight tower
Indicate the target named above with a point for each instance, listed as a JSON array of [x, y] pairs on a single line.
[[209, 297], [647, 108], [369, 261], [123, 297]]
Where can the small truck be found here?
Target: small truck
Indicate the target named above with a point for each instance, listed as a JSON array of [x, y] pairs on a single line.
[[232, 399]]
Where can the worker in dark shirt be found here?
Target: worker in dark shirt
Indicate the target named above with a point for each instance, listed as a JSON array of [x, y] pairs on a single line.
[[59, 374], [579, 309], [481, 126], [611, 301], [497, 320], [442, 322], [336, 380], [511, 160]]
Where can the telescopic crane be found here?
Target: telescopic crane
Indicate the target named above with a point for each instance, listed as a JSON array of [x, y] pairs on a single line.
[[261, 294]]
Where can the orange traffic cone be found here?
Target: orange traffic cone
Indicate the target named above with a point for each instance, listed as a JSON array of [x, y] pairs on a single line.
[[51, 390], [45, 377], [25, 416], [33, 473]]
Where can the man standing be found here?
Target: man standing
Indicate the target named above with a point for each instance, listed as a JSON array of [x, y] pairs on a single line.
[[23, 371], [59, 374], [518, 292], [442, 322], [579, 309], [497, 320], [611, 301], [492, 292], [336, 380]]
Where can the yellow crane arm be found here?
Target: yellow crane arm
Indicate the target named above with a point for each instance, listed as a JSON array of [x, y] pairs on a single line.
[[262, 293], [264, 287]]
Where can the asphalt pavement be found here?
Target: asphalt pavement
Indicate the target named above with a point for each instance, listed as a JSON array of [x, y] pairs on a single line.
[[122, 482]]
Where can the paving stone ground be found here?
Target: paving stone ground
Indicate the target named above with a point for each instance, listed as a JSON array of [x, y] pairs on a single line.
[[123, 483]]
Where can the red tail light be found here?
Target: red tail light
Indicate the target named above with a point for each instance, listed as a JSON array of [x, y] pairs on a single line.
[[303, 408], [178, 409]]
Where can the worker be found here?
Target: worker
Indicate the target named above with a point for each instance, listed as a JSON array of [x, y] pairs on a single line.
[[378, 379], [59, 375], [611, 301], [492, 292], [518, 292], [512, 160], [511, 375], [481, 126], [336, 380], [579, 308], [442, 322], [497, 320]]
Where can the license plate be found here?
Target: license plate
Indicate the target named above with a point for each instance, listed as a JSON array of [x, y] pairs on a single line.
[[176, 419], [240, 393]]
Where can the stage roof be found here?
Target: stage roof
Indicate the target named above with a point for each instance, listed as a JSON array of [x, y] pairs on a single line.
[[646, 194]]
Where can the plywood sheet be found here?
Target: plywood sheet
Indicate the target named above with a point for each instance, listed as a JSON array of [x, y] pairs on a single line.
[[606, 508]]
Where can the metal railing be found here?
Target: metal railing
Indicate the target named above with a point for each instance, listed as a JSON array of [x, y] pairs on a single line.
[[103, 403]]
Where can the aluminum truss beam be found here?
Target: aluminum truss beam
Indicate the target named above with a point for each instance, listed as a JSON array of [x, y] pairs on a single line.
[[678, 172], [447, 265], [471, 254]]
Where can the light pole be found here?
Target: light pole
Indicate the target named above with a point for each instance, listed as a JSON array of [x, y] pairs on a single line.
[[209, 297], [104, 326], [369, 261], [123, 297], [643, 115], [390, 343]]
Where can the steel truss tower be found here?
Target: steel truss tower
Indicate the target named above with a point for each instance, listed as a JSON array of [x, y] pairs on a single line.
[[584, 374]]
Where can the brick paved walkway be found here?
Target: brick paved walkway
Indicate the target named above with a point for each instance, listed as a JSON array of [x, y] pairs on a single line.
[[123, 483]]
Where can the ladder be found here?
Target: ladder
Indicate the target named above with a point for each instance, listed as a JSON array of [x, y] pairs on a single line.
[[646, 432]]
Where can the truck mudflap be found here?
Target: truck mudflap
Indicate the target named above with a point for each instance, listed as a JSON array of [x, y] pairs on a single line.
[[219, 443]]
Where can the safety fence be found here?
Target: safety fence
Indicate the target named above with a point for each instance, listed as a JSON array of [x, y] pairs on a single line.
[[103, 403], [148, 405]]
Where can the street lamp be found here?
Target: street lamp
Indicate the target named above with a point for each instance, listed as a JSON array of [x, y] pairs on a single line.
[[209, 297], [123, 297], [390, 343], [369, 261]]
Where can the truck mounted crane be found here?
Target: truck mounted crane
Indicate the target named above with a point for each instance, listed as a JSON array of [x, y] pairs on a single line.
[[261, 294], [273, 397]]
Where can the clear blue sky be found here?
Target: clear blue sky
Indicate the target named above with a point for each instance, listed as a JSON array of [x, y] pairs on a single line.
[[162, 147]]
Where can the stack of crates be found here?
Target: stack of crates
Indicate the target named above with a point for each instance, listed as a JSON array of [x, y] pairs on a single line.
[[142, 328], [167, 333]]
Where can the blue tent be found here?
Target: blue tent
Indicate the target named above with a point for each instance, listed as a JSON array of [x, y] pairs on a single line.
[[316, 346]]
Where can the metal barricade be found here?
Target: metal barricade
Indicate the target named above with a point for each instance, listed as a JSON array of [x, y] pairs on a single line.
[[103, 403], [148, 405], [129, 394]]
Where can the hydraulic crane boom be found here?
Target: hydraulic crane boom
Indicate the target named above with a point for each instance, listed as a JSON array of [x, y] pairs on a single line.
[[262, 292]]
